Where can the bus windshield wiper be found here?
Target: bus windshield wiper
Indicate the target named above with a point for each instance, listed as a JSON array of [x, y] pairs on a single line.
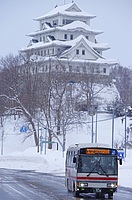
[[103, 170], [92, 170], [98, 164]]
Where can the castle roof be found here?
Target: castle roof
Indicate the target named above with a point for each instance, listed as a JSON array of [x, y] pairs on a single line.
[[72, 44], [70, 9], [73, 26]]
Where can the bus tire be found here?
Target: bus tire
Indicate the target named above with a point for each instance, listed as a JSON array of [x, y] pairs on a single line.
[[68, 186], [110, 195], [100, 195], [75, 193]]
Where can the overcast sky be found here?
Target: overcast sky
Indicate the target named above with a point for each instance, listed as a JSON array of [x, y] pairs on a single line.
[[113, 18]]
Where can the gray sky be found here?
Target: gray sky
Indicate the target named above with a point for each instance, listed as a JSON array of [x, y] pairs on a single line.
[[113, 17]]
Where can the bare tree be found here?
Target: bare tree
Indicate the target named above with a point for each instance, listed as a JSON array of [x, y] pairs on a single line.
[[13, 89], [123, 77]]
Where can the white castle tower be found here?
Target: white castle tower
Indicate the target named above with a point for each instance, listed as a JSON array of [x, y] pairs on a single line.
[[67, 40]]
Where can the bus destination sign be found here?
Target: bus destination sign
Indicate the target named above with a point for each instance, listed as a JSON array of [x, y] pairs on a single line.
[[97, 151]]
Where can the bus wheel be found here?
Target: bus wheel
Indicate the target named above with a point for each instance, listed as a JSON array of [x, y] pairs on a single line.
[[68, 186], [110, 195], [100, 195], [75, 193]]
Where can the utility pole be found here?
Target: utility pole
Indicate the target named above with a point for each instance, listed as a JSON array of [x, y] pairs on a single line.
[[92, 141], [96, 129], [38, 137], [125, 131], [2, 142], [113, 127], [2, 137]]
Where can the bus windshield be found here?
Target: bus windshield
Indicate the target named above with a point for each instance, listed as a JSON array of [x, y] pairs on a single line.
[[103, 165]]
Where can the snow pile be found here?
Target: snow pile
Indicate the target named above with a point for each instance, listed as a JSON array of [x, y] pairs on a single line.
[[52, 162], [125, 171]]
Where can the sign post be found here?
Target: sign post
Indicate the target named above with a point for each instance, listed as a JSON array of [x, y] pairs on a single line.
[[23, 129]]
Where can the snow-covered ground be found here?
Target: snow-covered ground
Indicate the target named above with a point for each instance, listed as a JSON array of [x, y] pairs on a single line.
[[23, 155]]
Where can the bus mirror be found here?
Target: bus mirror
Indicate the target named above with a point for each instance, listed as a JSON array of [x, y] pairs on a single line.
[[120, 161], [74, 160]]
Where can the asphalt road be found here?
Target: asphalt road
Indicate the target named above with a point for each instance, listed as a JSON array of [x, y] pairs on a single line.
[[23, 185]]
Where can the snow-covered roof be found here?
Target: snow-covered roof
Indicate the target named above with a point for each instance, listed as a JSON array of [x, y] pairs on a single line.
[[73, 26], [100, 46], [72, 44], [70, 9], [47, 44], [103, 61], [69, 43], [79, 40], [80, 25]]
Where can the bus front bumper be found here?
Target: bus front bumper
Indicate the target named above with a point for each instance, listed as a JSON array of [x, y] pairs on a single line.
[[85, 187]]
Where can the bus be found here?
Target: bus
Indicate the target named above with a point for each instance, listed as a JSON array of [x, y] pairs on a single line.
[[92, 168]]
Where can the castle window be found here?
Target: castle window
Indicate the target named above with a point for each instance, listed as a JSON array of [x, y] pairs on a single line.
[[83, 52], [53, 51], [41, 53], [55, 22], [87, 37], [77, 51], [104, 70], [71, 37], [44, 52], [40, 39], [65, 36], [67, 21]]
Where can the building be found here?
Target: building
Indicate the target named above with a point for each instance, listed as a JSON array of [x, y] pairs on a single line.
[[66, 42]]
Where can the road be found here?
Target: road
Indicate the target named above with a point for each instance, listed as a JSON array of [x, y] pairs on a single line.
[[23, 185]]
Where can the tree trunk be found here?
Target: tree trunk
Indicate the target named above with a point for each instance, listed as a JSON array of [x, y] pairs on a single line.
[[50, 140]]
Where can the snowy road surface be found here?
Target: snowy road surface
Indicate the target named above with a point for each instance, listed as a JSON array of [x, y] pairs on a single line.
[[25, 184]]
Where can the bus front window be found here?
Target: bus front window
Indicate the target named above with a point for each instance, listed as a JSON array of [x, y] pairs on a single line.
[[103, 165]]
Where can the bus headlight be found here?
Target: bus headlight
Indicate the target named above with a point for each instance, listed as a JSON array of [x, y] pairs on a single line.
[[112, 185], [81, 184]]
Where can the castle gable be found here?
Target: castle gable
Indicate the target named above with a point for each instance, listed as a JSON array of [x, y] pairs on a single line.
[[80, 49]]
